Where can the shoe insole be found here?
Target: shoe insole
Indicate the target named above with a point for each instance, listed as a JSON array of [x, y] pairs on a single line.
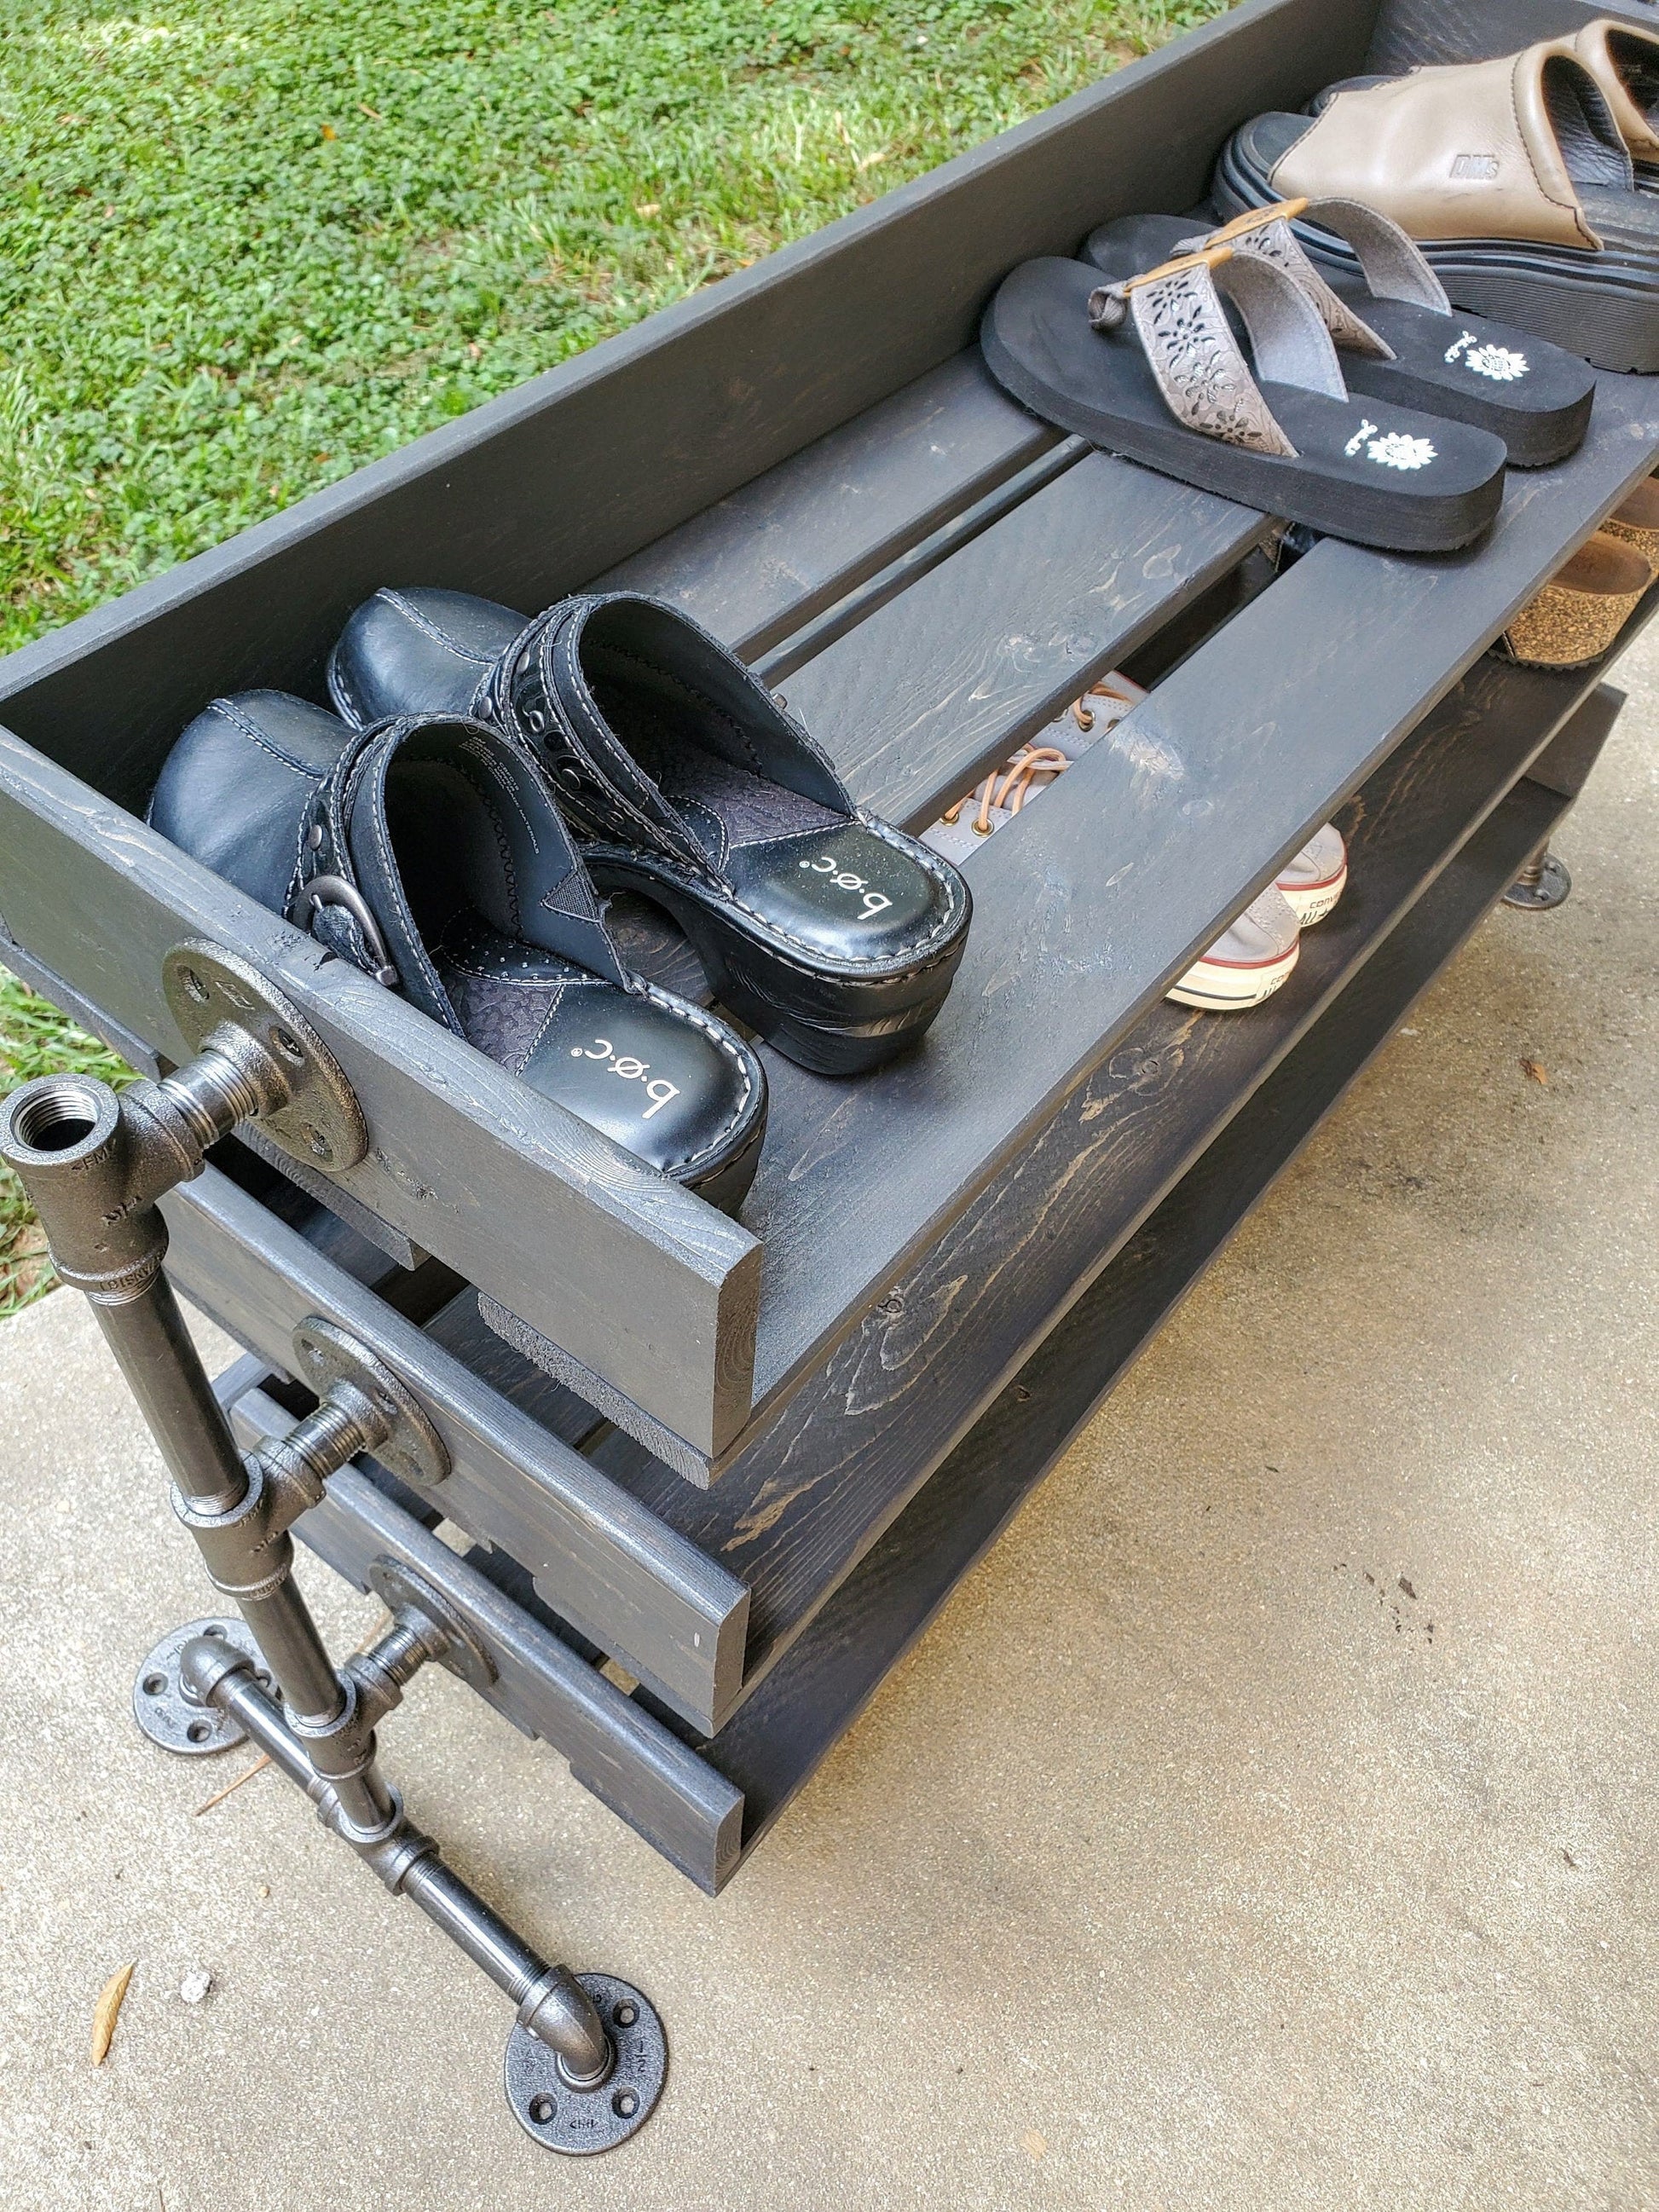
[[647, 1077], [817, 875]]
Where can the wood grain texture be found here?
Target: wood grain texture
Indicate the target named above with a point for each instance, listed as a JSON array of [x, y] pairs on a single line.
[[757, 564], [794, 1516], [644, 1283], [675, 1617], [627, 1758], [771, 1747], [1564, 764], [539, 491], [949, 677]]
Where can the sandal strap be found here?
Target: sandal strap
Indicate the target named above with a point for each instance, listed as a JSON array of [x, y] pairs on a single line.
[[1470, 149], [1200, 370], [1608, 50], [1391, 265]]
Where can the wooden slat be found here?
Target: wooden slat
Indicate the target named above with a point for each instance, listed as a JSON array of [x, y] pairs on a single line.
[[1564, 764], [852, 1446], [636, 1278], [494, 1362], [693, 1816], [761, 561], [949, 678], [770, 1747], [1244, 749], [674, 1618]]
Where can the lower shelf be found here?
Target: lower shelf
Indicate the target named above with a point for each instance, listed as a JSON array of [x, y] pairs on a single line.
[[773, 1744]]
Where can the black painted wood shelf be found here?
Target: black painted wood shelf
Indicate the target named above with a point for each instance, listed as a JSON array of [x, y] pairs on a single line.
[[716, 1476]]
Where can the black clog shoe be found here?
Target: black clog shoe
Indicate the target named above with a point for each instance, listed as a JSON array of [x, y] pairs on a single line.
[[428, 850], [833, 935]]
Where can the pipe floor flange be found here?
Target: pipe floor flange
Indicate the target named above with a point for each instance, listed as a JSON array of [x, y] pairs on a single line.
[[1540, 886], [412, 1448], [579, 2122], [322, 1123], [167, 1716]]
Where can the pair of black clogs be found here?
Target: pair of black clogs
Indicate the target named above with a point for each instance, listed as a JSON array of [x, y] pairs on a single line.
[[451, 830]]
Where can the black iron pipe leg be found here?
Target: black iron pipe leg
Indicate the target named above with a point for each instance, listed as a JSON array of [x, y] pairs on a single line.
[[586, 2058]]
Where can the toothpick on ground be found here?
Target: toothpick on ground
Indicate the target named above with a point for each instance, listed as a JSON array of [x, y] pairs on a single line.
[[220, 1795]]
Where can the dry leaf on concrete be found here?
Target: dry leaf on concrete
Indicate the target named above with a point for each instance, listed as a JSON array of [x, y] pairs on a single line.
[[1535, 1069], [108, 2011]]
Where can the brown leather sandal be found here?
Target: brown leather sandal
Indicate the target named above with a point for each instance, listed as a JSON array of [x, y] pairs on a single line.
[[1512, 175], [1625, 62]]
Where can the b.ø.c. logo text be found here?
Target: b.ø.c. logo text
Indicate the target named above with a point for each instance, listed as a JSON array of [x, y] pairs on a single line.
[[875, 903], [631, 1071]]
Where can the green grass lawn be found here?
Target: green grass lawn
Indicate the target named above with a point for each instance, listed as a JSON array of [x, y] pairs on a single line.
[[247, 245]]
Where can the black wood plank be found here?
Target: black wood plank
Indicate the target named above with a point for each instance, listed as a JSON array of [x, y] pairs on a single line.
[[635, 1279], [28, 969], [949, 677], [761, 561], [673, 1617], [852, 1446], [1564, 764], [491, 1358], [772, 1745], [692, 1815], [551, 485], [828, 629]]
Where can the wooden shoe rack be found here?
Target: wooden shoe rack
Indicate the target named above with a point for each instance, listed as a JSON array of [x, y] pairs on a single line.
[[717, 1476]]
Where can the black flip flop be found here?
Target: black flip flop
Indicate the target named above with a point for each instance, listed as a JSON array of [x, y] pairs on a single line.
[[1599, 300], [1396, 333], [428, 852], [1150, 369]]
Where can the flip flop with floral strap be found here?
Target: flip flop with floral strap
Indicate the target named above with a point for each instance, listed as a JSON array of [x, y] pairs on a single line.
[[1150, 367]]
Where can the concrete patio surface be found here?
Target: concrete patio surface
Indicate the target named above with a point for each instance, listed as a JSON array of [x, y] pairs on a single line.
[[1268, 1824]]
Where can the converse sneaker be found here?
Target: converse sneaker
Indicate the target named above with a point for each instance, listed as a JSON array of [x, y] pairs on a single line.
[[1312, 882], [1248, 962]]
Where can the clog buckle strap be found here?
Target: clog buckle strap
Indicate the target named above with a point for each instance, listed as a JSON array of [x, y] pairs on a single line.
[[322, 892], [328, 902]]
